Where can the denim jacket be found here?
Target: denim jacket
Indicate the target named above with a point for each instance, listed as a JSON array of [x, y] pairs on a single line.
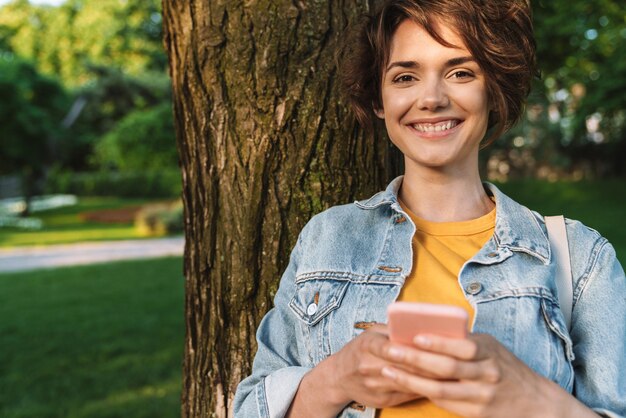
[[351, 261]]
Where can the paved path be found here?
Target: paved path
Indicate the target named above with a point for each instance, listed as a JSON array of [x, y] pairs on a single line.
[[32, 258]]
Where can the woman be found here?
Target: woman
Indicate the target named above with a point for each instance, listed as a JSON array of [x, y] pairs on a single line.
[[443, 75]]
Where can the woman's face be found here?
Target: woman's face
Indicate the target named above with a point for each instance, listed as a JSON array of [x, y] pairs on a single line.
[[435, 102]]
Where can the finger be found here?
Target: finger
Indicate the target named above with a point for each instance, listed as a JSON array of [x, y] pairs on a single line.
[[372, 366], [373, 339], [427, 364], [379, 328], [470, 348], [370, 346], [434, 365], [383, 385], [437, 389], [413, 360]]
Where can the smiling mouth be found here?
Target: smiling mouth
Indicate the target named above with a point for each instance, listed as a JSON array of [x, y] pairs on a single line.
[[436, 127]]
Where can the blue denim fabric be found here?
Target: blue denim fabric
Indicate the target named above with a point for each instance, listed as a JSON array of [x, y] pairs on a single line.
[[356, 257]]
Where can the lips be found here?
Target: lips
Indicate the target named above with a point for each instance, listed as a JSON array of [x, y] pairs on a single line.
[[439, 126]]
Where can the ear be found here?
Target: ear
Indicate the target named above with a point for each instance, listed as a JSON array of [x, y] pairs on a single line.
[[380, 113]]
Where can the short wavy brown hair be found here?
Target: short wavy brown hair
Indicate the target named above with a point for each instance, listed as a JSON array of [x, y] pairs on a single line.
[[498, 34]]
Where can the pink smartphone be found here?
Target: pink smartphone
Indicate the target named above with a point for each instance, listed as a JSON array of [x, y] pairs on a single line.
[[407, 319]]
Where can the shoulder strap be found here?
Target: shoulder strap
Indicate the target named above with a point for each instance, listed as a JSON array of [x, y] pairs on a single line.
[[560, 250]]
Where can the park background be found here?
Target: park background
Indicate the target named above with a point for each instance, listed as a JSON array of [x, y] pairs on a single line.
[[86, 111]]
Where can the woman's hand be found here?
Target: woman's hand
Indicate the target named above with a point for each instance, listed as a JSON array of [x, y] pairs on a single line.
[[352, 374], [358, 371], [477, 377]]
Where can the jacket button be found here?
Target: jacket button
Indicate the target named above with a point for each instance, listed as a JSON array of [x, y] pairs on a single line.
[[474, 288], [311, 309]]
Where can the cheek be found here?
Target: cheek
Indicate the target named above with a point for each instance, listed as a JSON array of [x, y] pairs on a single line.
[[476, 107], [476, 102], [397, 102]]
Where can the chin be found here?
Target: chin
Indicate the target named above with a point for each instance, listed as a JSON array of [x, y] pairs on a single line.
[[431, 163], [431, 158]]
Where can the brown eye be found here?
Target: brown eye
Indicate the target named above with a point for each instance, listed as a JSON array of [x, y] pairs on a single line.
[[462, 74], [404, 79]]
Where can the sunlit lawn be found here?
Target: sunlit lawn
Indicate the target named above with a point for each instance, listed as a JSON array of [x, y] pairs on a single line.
[[98, 341], [599, 204], [65, 225]]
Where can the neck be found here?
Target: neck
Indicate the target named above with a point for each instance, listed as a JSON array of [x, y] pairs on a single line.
[[442, 197]]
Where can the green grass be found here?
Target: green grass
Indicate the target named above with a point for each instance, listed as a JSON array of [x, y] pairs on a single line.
[[599, 204], [64, 225], [98, 341]]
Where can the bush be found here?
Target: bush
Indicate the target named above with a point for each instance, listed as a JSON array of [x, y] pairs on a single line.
[[160, 219], [143, 140], [163, 183]]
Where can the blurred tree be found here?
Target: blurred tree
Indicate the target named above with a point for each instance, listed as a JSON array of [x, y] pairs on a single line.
[[65, 40], [143, 140], [110, 51], [576, 121], [5, 42], [582, 52], [106, 101], [31, 111], [265, 142]]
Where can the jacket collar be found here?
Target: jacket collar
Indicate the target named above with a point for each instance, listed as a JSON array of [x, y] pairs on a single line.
[[517, 227], [389, 196]]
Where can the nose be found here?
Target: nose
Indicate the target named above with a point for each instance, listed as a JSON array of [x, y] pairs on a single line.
[[433, 95]]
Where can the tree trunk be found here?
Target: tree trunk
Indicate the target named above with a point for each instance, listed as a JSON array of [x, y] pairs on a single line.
[[264, 144]]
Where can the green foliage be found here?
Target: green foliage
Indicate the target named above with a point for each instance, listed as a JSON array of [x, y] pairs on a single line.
[[113, 94], [64, 40], [95, 341], [575, 125], [31, 111], [142, 140], [165, 183], [578, 38], [108, 51], [109, 99]]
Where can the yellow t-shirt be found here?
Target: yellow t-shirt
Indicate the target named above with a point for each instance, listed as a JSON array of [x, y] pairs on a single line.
[[439, 251]]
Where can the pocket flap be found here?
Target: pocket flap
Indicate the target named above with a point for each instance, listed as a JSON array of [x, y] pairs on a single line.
[[316, 298]]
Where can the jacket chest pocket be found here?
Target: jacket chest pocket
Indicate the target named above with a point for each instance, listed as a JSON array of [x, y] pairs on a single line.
[[314, 304], [530, 324]]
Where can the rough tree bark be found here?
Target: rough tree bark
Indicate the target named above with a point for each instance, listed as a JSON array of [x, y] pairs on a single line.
[[264, 144]]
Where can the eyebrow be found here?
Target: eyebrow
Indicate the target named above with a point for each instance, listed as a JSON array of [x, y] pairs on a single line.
[[459, 60], [413, 64]]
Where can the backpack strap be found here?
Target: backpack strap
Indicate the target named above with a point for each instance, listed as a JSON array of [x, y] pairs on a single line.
[[560, 249]]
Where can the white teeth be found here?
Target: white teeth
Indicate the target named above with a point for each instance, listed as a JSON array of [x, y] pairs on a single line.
[[435, 127]]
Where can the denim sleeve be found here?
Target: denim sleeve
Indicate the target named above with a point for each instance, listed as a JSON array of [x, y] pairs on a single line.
[[277, 369], [599, 333]]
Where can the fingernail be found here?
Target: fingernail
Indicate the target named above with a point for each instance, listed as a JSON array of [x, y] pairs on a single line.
[[396, 353], [389, 372], [422, 341]]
